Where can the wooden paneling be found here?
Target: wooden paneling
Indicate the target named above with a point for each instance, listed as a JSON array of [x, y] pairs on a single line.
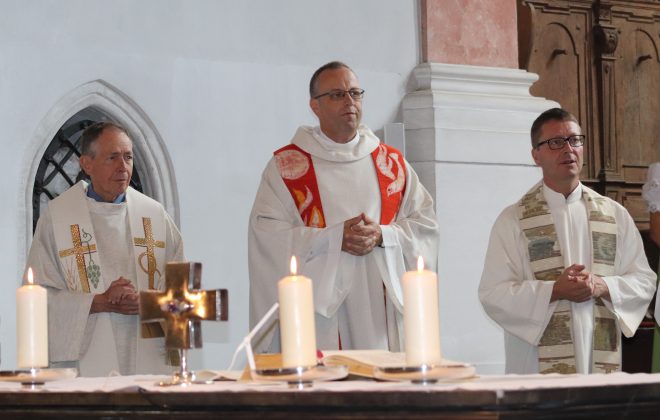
[[601, 61]]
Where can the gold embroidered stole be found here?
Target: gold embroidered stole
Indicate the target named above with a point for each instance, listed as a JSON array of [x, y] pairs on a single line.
[[556, 349], [82, 266], [76, 241]]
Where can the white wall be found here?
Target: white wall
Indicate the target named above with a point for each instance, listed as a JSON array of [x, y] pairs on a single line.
[[224, 83]]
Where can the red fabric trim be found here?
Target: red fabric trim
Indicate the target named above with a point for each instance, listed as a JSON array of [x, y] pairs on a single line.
[[391, 173], [297, 172]]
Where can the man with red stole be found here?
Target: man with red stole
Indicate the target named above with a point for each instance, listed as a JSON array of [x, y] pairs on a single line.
[[352, 211]]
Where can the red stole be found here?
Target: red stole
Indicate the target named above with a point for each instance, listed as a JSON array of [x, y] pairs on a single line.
[[297, 171]]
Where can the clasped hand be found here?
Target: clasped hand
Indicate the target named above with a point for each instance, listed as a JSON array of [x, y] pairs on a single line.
[[121, 297], [361, 235], [579, 285]]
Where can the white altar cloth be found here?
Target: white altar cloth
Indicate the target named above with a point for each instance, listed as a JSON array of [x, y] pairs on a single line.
[[497, 383]]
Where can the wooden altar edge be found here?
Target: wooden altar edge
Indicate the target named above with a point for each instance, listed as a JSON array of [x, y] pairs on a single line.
[[638, 400]]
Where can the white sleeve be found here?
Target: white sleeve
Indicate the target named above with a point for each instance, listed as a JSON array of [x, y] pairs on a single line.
[[508, 291], [414, 233], [633, 286], [651, 190], [174, 251]]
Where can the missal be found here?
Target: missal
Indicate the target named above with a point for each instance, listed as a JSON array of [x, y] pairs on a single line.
[[359, 362], [363, 362]]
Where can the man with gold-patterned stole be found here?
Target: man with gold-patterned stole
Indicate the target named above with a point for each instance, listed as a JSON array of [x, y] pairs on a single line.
[[565, 271], [354, 214], [95, 247]]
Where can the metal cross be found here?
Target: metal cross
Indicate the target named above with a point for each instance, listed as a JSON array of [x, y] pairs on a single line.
[[182, 306]]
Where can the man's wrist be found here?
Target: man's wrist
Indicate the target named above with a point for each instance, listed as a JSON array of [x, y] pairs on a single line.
[[381, 237], [600, 288], [554, 295], [100, 303]]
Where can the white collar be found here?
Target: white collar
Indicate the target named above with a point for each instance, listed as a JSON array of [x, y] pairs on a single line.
[[332, 145], [556, 199], [310, 140]]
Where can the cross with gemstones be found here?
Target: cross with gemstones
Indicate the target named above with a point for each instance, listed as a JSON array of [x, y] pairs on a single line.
[[79, 250], [149, 243], [182, 306]]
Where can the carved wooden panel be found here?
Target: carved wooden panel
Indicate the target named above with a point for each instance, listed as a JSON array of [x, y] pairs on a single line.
[[600, 59], [630, 94], [554, 43]]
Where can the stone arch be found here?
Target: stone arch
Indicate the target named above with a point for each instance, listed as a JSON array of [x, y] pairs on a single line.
[[157, 172]]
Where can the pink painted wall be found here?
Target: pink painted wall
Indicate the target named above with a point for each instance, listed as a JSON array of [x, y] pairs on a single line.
[[474, 32]]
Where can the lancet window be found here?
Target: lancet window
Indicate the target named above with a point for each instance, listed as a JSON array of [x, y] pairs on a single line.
[[59, 168]]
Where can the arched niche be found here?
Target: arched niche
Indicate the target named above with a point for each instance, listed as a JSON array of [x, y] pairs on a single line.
[[156, 171]]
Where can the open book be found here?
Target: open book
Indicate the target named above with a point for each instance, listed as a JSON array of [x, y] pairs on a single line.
[[359, 362], [363, 362], [217, 375]]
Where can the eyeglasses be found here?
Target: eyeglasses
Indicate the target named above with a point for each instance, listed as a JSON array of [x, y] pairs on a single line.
[[338, 95], [557, 143]]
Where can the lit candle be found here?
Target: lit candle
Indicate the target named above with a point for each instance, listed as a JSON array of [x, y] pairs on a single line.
[[31, 325], [420, 316], [297, 331]]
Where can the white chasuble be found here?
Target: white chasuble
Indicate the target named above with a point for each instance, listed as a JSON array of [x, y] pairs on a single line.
[[96, 244], [357, 299]]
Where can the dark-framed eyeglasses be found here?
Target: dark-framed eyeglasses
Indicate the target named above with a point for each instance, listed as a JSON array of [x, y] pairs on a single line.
[[557, 143], [338, 94]]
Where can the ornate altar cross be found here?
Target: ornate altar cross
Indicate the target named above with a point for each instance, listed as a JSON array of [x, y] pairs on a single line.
[[182, 307]]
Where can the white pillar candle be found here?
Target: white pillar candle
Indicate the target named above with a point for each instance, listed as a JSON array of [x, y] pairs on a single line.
[[421, 319], [31, 325], [297, 330]]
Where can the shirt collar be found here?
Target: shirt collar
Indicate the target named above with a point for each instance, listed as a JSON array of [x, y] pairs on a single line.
[[330, 144], [556, 199], [94, 195]]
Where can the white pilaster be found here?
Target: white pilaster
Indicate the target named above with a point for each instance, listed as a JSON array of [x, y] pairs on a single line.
[[467, 136]]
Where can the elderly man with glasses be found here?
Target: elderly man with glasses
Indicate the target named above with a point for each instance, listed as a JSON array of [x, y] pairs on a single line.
[[352, 211], [565, 271]]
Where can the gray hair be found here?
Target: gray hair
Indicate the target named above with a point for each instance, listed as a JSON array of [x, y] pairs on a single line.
[[93, 132]]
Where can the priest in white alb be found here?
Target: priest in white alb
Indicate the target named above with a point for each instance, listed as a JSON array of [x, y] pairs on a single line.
[[95, 247], [565, 271], [353, 212]]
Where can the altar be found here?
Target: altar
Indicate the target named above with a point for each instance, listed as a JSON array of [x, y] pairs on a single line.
[[617, 395]]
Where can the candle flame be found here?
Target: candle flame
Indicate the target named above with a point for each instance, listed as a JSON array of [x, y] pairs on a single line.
[[30, 276], [294, 266], [420, 264]]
